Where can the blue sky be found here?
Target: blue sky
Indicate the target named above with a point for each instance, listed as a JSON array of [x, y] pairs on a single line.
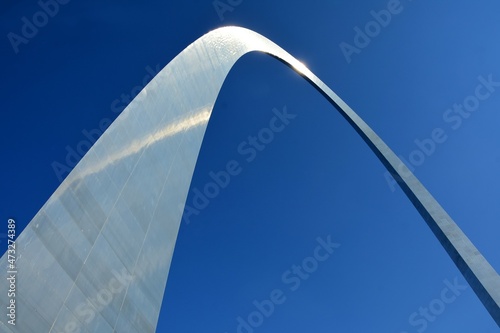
[[405, 76]]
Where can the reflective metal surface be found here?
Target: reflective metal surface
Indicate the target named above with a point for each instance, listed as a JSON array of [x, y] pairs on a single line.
[[96, 256]]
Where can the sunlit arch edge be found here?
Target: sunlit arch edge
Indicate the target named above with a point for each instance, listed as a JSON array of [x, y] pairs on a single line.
[[155, 142]]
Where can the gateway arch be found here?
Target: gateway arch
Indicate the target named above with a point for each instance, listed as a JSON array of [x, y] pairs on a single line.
[[96, 257]]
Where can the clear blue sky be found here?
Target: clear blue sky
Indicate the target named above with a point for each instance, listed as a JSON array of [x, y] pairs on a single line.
[[316, 178]]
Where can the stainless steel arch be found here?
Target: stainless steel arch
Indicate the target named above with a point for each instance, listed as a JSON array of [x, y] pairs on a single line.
[[100, 248]]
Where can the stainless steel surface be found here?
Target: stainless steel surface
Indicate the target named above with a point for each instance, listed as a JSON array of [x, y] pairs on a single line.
[[96, 256]]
